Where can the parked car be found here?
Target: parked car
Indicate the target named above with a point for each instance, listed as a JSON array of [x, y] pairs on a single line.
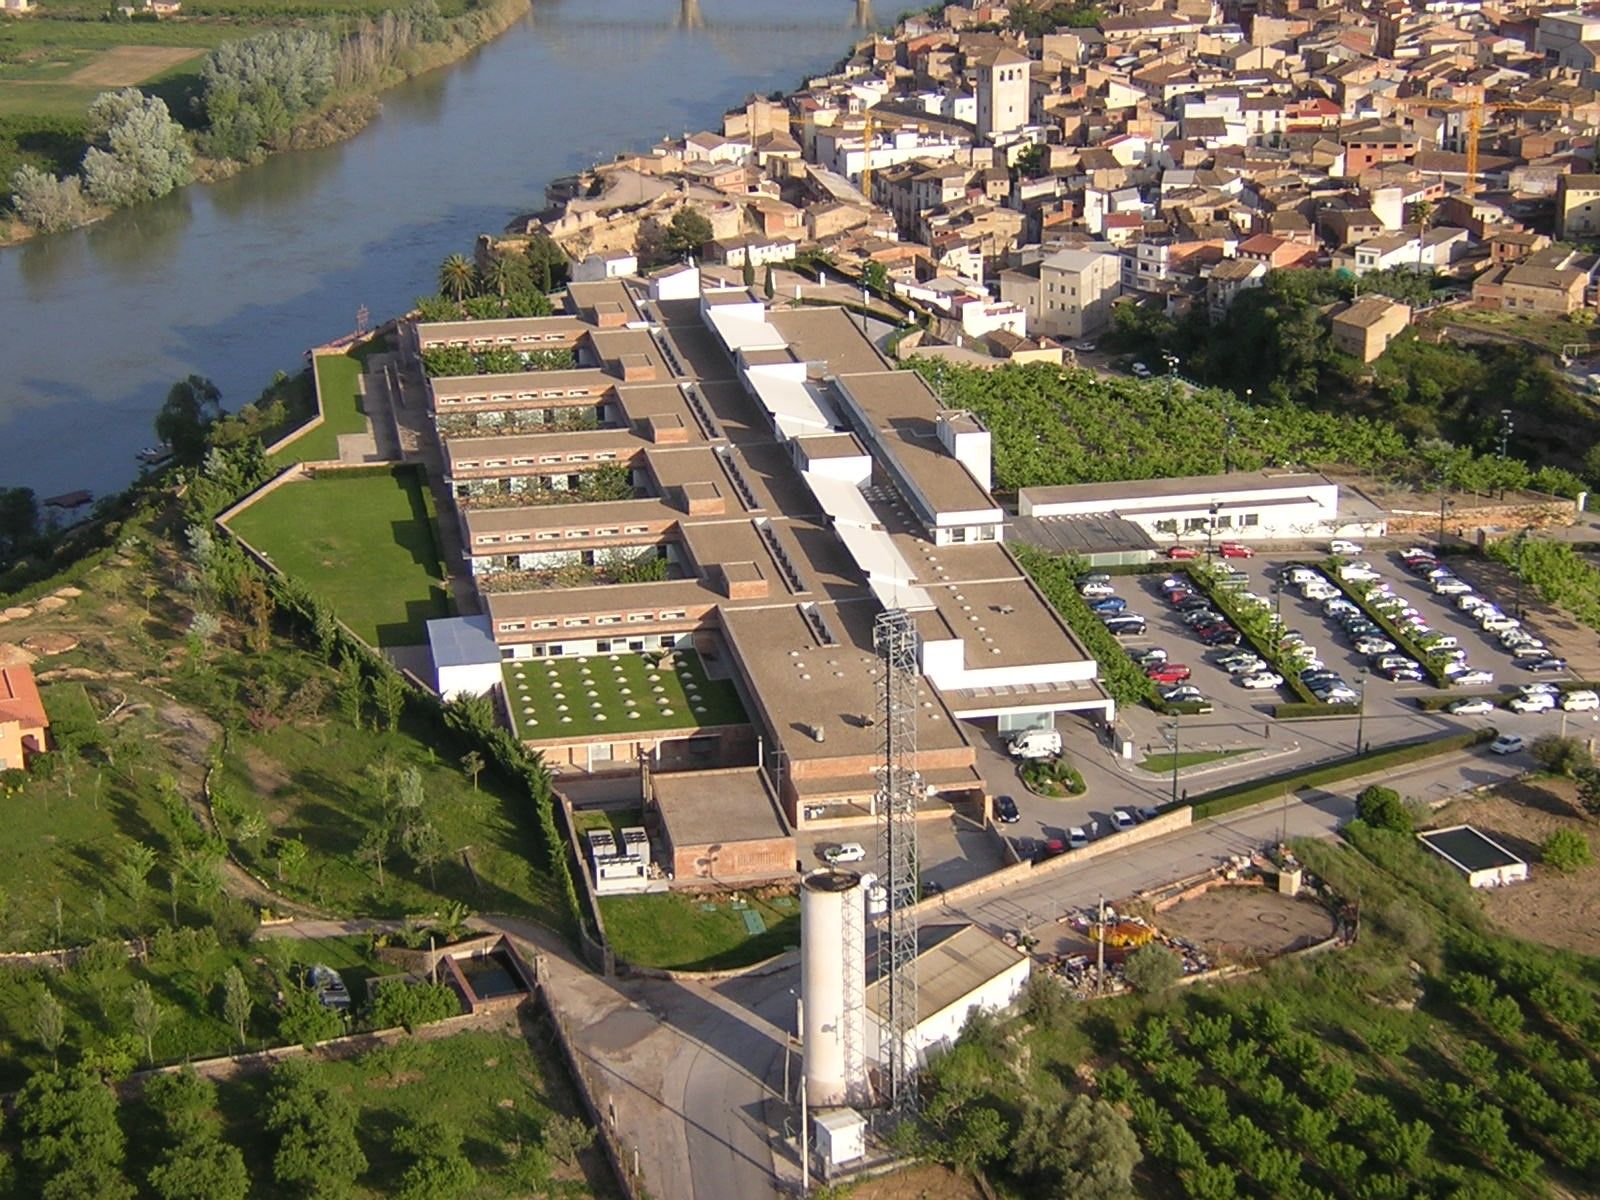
[[1168, 672], [1474, 678], [1121, 818], [1050, 848], [1342, 547], [1108, 604], [1451, 587], [1506, 743], [1581, 701], [1534, 689], [1035, 743], [1498, 623], [1084, 347], [1339, 694], [1250, 665], [1235, 550], [1182, 693], [1077, 839], [1373, 645], [1299, 575], [1538, 702], [1124, 624], [1140, 371], [1525, 653], [844, 852], [1176, 552], [1471, 602], [1221, 637], [1146, 813], [1549, 663], [1144, 658], [1005, 810], [1096, 591], [1402, 674], [1475, 707], [1262, 679], [1441, 641], [1092, 577]]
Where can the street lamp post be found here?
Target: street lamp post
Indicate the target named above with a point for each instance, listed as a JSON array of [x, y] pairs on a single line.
[[1443, 505], [1361, 706], [1227, 446], [1211, 527], [1172, 372]]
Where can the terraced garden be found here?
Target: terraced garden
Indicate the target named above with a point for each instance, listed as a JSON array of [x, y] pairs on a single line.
[[622, 693]]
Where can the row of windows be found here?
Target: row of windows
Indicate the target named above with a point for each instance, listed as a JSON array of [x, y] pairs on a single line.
[[603, 646], [544, 460], [508, 398], [507, 340], [553, 535], [581, 622], [1201, 524]]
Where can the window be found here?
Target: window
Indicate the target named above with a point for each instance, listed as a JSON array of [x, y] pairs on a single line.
[[546, 623], [668, 642], [1250, 520], [1167, 525], [639, 618], [613, 619], [958, 535], [1190, 524], [673, 616], [603, 646], [575, 622], [512, 626], [1225, 521]]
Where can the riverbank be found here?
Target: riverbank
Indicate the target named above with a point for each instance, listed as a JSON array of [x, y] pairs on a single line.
[[345, 113]]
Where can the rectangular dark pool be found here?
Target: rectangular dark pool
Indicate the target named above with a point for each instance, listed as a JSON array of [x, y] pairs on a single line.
[[490, 975]]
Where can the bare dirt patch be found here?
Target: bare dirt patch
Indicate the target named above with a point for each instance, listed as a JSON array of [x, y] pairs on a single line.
[[1557, 910], [124, 65], [922, 1182], [1237, 922]]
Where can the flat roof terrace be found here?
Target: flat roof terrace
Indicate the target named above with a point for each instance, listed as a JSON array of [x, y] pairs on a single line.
[[828, 335], [703, 807], [529, 449], [514, 332], [1223, 487], [533, 517], [582, 384], [1007, 624]]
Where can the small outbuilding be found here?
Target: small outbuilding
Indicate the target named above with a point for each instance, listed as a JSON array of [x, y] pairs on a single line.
[[466, 660], [960, 969], [1484, 861], [723, 825], [839, 1136]]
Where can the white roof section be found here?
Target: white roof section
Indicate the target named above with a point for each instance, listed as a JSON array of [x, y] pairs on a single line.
[[841, 500], [797, 407], [462, 642], [892, 579], [741, 330]]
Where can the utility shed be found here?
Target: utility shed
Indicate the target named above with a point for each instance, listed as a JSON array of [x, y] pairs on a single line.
[[959, 969], [466, 661], [1484, 861]]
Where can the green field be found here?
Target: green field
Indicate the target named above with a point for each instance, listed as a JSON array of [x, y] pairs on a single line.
[[621, 693], [338, 376], [364, 543], [681, 932]]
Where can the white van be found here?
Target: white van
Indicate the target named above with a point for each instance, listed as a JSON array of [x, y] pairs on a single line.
[[1581, 701], [1035, 743]]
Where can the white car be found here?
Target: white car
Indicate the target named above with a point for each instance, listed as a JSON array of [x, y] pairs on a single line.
[[1121, 818], [1538, 689], [1506, 743], [1262, 679], [1476, 707], [1499, 623], [1077, 839], [1541, 702], [1242, 666], [1581, 701], [1471, 602], [1339, 546], [1451, 587], [1475, 678], [1096, 591], [844, 852], [1140, 370]]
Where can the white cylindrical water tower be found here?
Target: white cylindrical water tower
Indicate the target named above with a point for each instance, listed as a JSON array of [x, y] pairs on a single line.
[[832, 977]]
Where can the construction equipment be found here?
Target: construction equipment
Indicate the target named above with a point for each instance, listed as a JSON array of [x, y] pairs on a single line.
[[1475, 107]]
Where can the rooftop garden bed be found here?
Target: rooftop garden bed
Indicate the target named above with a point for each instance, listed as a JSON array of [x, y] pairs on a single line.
[[616, 694], [454, 361], [617, 567]]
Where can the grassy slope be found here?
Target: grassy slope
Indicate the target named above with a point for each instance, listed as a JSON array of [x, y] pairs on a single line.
[[697, 933], [364, 544]]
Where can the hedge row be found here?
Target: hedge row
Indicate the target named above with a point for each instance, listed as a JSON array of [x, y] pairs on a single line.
[[1297, 709], [1433, 664], [1243, 795], [1248, 626], [1501, 698]]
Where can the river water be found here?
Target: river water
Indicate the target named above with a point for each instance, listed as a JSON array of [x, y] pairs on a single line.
[[235, 280]]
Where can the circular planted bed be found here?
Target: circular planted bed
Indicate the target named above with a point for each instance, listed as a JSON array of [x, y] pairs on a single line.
[[1054, 777]]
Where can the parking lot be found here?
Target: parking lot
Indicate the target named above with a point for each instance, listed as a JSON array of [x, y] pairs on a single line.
[[952, 848]]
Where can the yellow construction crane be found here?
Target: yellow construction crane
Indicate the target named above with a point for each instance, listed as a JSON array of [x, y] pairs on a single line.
[[1475, 108]]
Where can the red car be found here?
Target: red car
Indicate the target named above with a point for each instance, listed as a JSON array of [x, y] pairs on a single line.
[[1235, 550], [1182, 552], [1167, 672]]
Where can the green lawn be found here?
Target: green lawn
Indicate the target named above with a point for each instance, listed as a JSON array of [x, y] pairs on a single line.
[[601, 693], [1161, 764], [337, 378], [698, 933], [364, 543]]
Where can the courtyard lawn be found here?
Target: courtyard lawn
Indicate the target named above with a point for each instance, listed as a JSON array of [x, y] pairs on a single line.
[[338, 376], [621, 693], [363, 543], [676, 931], [1158, 764]]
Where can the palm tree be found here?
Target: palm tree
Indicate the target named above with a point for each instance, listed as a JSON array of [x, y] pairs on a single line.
[[456, 277]]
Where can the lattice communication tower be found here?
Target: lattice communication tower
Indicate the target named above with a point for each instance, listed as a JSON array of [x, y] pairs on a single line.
[[899, 791]]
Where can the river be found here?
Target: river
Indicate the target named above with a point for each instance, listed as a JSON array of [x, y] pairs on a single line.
[[235, 280]]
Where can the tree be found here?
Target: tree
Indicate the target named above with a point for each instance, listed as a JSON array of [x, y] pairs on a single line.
[[236, 1002], [148, 1015], [438, 1169], [257, 606], [306, 1020], [49, 1023], [1567, 851], [1422, 214], [769, 289], [564, 1138], [388, 696], [457, 277], [192, 405], [687, 232], [472, 763], [427, 847], [1084, 1151], [547, 261], [318, 1154], [207, 1169], [48, 202], [875, 277], [374, 847], [1588, 779], [412, 1004], [133, 871], [137, 151], [1152, 968], [747, 272], [506, 273], [1382, 808], [72, 1145]]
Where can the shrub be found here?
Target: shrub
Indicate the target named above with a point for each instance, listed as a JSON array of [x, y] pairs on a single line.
[[1382, 808], [47, 202], [1560, 755], [1152, 968], [1567, 850]]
